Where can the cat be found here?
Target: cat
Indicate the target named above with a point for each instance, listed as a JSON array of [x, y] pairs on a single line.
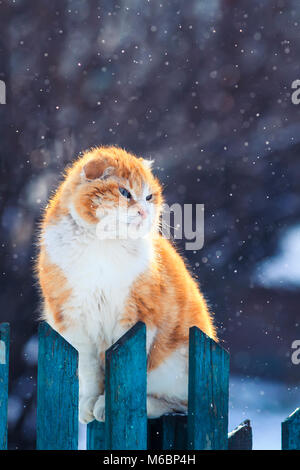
[[97, 281]]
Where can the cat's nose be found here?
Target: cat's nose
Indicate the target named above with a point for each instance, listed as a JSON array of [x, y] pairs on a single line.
[[142, 213]]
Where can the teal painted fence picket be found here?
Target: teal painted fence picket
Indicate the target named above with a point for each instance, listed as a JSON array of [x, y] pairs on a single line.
[[57, 392], [126, 391], [126, 425], [290, 431], [208, 393]]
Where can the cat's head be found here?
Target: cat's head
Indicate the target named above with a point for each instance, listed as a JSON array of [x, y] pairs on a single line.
[[117, 192]]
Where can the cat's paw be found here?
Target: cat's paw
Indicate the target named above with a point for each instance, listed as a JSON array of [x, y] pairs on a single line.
[[99, 408], [86, 407]]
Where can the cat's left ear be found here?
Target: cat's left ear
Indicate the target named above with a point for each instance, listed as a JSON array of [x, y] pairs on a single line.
[[97, 168], [147, 163]]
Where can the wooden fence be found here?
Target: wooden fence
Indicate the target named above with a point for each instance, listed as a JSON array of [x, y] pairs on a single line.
[[126, 427]]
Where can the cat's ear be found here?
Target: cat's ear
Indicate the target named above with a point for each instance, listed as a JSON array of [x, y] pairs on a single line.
[[147, 163], [96, 168]]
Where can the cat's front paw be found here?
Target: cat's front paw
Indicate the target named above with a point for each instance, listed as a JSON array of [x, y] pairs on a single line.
[[99, 408], [86, 407]]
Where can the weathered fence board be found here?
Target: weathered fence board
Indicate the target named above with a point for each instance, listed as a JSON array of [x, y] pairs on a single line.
[[95, 436], [174, 432], [241, 437], [57, 392], [125, 428], [290, 431], [208, 393], [125, 396], [154, 434], [4, 372], [169, 432]]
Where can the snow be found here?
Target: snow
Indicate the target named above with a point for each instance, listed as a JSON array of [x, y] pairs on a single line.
[[266, 404]]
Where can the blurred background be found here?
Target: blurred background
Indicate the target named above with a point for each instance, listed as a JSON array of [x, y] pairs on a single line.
[[204, 88]]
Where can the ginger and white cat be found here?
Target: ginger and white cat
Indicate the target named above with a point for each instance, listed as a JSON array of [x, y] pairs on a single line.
[[97, 283]]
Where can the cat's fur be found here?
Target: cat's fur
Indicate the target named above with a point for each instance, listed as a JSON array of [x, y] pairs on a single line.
[[96, 285]]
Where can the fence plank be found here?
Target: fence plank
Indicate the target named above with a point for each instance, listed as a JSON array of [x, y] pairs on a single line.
[[174, 432], [95, 437], [208, 393], [241, 437], [57, 393], [4, 372], [169, 432], [125, 391], [154, 434], [290, 431]]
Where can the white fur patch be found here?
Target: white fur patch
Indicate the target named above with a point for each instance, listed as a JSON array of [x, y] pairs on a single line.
[[170, 379], [100, 274]]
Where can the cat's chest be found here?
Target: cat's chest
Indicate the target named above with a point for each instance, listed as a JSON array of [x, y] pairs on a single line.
[[100, 273]]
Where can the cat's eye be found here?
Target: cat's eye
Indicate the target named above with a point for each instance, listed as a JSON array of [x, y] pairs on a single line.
[[148, 198], [125, 193]]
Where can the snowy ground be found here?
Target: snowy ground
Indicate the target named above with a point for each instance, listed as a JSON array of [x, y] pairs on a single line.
[[265, 403]]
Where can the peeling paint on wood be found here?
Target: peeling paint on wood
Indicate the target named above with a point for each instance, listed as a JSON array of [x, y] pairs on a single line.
[[241, 437], [57, 399], [95, 437], [208, 393], [169, 432], [290, 429], [125, 391]]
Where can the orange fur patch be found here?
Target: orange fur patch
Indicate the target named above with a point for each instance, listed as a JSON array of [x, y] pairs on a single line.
[[54, 288], [167, 297]]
